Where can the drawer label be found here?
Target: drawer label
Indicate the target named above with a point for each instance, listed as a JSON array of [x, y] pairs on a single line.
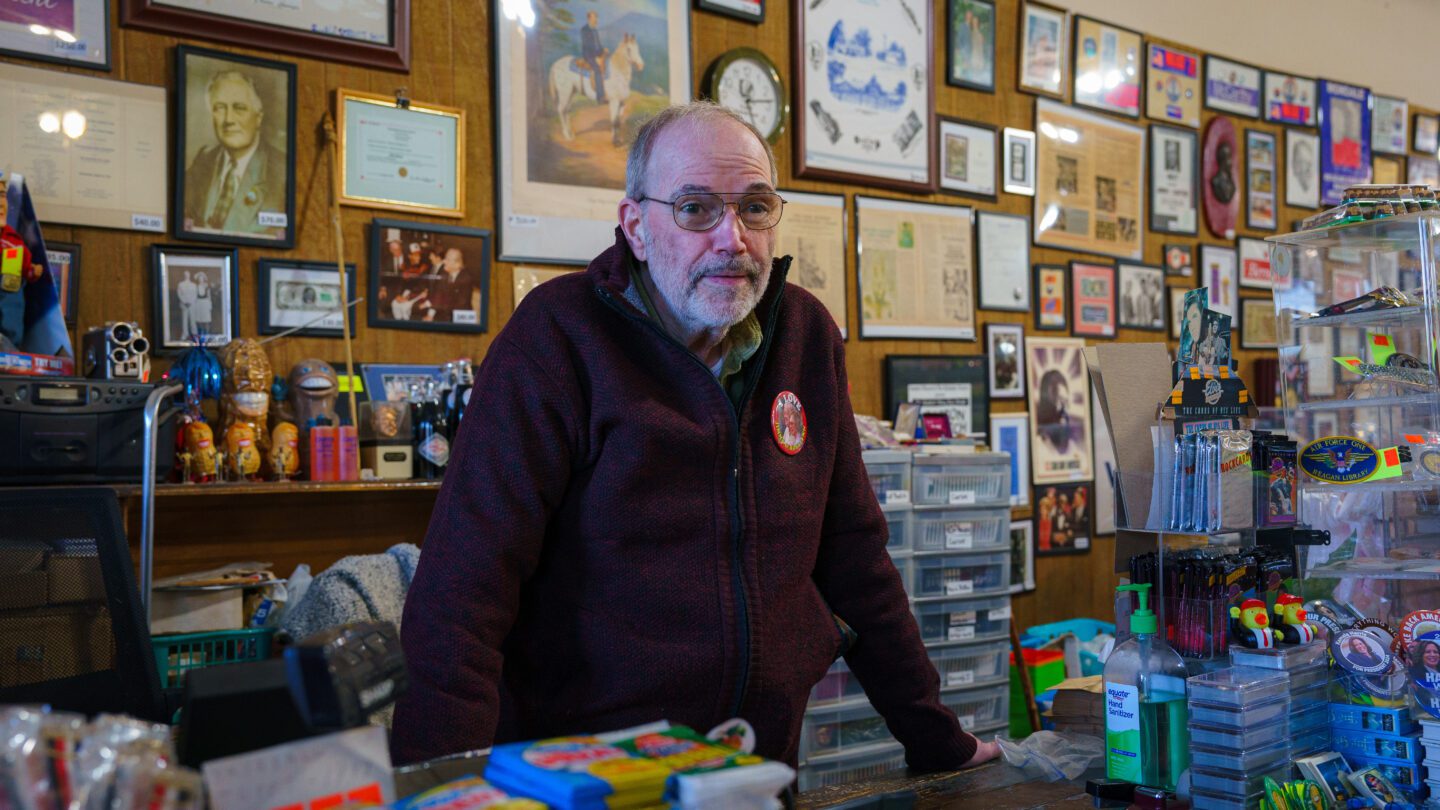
[[996, 614], [959, 587], [962, 498], [894, 496], [962, 633], [967, 721], [959, 535], [962, 678]]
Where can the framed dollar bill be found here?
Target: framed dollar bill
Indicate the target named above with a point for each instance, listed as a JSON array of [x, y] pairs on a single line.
[[1090, 182], [304, 296], [865, 93], [72, 32]]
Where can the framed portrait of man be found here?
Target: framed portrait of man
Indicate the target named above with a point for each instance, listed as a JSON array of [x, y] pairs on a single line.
[[429, 277], [234, 149]]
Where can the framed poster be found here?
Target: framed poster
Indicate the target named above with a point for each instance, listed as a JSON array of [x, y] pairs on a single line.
[[1142, 297], [1107, 67], [1177, 310], [559, 157], [1042, 61], [426, 176], [1005, 349], [1254, 263], [429, 277], [952, 386], [105, 168], [1172, 85], [1232, 87], [1344, 139], [1090, 182], [1257, 324], [1062, 519], [1180, 261], [1289, 99], [1423, 171], [1092, 296], [372, 34], [1217, 272], [1010, 433], [1302, 169], [747, 10], [1387, 170], [1022, 553], [196, 294], [1220, 171], [865, 93], [967, 158], [234, 170], [1105, 468], [1052, 289], [970, 57], [1389, 125], [70, 32], [1427, 133], [390, 382], [1174, 184], [524, 279], [1004, 251], [812, 232], [1019, 160], [304, 296], [915, 267], [1260, 180], [1059, 405], [64, 261]]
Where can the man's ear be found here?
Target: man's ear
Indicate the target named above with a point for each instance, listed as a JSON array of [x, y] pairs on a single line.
[[632, 224]]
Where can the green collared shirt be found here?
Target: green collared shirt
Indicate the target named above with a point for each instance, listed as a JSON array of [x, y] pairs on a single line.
[[741, 342]]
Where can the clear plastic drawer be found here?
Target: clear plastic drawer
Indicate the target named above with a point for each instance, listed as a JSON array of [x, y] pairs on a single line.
[[960, 529], [973, 479], [972, 664], [889, 472], [963, 619], [960, 575], [838, 686], [898, 523], [862, 763], [832, 730], [979, 708]]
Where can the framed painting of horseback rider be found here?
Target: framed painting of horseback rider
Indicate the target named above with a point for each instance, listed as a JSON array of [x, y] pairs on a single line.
[[400, 155], [575, 81]]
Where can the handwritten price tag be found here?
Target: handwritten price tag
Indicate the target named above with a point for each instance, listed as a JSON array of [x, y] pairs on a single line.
[[966, 498]]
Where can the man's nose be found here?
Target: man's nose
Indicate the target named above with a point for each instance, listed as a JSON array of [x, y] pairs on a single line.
[[729, 233]]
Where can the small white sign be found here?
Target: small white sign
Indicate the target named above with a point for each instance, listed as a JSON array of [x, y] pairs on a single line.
[[522, 221], [959, 587], [967, 720], [962, 498], [964, 678], [147, 222], [465, 316], [273, 219], [894, 496], [997, 614], [959, 535], [964, 633]]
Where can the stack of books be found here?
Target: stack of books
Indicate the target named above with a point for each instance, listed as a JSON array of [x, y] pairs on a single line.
[[1079, 706]]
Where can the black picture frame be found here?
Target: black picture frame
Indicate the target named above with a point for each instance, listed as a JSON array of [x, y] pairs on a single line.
[[995, 151], [1156, 223], [257, 191], [1250, 221], [1070, 488], [106, 65], [164, 339], [1075, 100], [903, 370], [1036, 295], [1430, 148], [950, 77], [1157, 273], [1243, 317], [727, 11], [1061, 56], [479, 251], [264, 275], [67, 281], [1114, 300], [1205, 89], [1188, 251]]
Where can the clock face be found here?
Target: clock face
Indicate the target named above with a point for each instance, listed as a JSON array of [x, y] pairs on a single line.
[[747, 87]]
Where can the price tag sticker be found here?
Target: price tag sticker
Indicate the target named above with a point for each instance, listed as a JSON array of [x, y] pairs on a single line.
[[147, 222], [959, 587], [959, 535], [964, 633], [996, 614], [522, 221], [962, 498], [272, 219], [894, 496], [964, 678]]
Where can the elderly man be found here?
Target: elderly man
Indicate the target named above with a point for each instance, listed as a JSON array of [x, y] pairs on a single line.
[[627, 532], [230, 183]]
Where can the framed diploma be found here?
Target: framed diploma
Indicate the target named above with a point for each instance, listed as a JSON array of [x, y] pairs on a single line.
[[1260, 192], [915, 267], [1174, 189], [1004, 249], [67, 32], [1232, 87], [401, 158], [967, 158], [1389, 125], [1289, 99], [812, 233], [1172, 85], [1107, 67], [1344, 139], [1090, 182]]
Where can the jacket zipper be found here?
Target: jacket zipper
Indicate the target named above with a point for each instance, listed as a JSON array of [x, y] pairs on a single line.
[[737, 523]]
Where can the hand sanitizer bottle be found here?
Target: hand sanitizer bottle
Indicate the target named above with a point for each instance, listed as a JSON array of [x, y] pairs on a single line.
[[1146, 741]]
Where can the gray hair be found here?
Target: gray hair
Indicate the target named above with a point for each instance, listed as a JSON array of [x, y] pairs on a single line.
[[234, 76], [637, 165]]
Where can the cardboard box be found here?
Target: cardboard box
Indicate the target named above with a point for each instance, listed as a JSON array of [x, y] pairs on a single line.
[[50, 643], [196, 611], [27, 590], [75, 578]]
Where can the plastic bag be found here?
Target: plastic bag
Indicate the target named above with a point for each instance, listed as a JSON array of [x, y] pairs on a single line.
[[1052, 756]]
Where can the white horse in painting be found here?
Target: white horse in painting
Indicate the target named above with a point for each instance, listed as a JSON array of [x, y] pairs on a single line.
[[566, 83]]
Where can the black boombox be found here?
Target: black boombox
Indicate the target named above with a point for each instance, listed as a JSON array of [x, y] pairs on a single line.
[[72, 429]]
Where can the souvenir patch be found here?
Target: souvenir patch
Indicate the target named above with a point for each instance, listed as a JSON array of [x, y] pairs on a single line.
[[1338, 460], [788, 423]]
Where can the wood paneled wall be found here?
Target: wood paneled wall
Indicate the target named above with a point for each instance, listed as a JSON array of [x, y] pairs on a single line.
[[452, 64]]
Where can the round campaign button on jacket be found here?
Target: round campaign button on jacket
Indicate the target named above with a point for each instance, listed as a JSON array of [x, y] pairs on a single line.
[[788, 423]]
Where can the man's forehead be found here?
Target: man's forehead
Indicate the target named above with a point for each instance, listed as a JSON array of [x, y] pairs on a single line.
[[692, 156]]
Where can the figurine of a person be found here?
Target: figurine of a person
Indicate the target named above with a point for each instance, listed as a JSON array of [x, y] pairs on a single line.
[[17, 268]]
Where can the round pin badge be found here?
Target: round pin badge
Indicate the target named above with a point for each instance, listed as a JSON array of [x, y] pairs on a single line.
[[1339, 460], [1418, 625], [1361, 653], [788, 423]]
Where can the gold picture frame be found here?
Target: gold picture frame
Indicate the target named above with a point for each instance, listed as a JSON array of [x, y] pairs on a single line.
[[370, 126]]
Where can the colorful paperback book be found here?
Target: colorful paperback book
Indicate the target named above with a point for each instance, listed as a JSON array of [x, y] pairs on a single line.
[[1353, 742], [577, 773]]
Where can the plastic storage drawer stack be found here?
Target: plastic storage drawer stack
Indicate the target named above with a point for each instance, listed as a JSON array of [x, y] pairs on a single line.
[[1387, 739], [1239, 735], [1309, 671], [1430, 747]]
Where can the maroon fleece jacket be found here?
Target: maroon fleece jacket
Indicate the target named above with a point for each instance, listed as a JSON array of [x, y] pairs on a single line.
[[613, 545]]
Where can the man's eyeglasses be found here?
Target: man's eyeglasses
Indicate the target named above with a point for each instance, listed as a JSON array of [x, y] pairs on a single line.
[[701, 211]]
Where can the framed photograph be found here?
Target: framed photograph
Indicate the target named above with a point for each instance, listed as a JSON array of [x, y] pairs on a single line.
[[1042, 61], [525, 279], [1423, 171], [747, 10], [1387, 170], [1010, 433], [560, 155], [1217, 272], [1019, 146], [64, 260], [1257, 323], [1254, 263], [865, 93], [196, 294], [1174, 183], [1289, 99], [429, 277], [1172, 85], [1062, 519], [74, 32], [390, 382], [1142, 297], [1059, 404], [1090, 189], [1052, 289], [967, 158], [1180, 261], [1260, 192], [1092, 296], [1022, 556], [234, 149], [915, 268], [1005, 347], [1104, 53], [1004, 249], [1232, 87], [1344, 139], [304, 296], [1177, 310], [375, 35], [813, 234], [1302, 169], [1389, 125], [953, 386], [427, 176], [1221, 167], [1427, 133], [970, 58]]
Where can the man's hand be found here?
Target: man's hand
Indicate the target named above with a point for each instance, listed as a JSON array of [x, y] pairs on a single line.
[[984, 752]]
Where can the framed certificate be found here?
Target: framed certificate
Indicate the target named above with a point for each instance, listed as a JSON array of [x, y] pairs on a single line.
[[401, 158], [1174, 172], [915, 268], [72, 32], [1004, 249]]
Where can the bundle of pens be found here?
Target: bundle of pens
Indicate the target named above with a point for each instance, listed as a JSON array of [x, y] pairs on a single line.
[[1200, 586]]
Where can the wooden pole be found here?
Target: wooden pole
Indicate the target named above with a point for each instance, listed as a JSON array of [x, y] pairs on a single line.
[[333, 146]]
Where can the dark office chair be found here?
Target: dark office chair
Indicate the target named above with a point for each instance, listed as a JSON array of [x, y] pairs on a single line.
[[72, 628]]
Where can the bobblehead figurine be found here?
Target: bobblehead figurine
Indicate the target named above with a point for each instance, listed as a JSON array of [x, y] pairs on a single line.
[[17, 268], [1250, 625], [1290, 624]]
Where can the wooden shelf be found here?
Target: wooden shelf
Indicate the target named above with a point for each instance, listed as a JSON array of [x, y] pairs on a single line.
[[278, 488]]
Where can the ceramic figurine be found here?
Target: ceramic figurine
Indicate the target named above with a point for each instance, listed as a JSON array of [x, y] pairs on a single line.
[[200, 446], [284, 452], [243, 452], [1290, 624], [1250, 625], [314, 387]]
